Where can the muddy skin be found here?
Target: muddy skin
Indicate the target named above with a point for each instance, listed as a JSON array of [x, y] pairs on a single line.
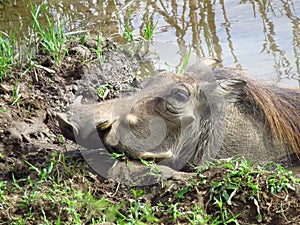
[[183, 121]]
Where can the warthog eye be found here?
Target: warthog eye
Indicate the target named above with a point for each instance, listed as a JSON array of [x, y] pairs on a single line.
[[176, 99], [180, 94]]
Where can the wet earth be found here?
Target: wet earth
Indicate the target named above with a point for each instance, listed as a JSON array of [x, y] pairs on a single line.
[[30, 138]]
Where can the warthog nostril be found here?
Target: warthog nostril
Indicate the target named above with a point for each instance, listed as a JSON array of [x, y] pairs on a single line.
[[66, 127], [104, 125]]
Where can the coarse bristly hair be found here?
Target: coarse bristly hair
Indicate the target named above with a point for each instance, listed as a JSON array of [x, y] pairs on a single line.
[[281, 110]]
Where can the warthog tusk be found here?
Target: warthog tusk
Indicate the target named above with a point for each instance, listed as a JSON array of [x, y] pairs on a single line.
[[104, 125], [150, 155]]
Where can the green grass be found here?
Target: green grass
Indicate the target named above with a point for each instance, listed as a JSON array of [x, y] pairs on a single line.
[[149, 29], [252, 181], [52, 36], [2, 188], [64, 193], [68, 202], [128, 32], [15, 95], [71, 205], [138, 43], [98, 49], [185, 61], [7, 53], [147, 34], [48, 38], [139, 211]]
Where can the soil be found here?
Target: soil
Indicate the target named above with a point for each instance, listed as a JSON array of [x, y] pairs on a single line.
[[29, 135]]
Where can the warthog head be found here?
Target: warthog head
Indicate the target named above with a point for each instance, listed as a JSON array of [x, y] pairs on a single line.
[[204, 114], [169, 121]]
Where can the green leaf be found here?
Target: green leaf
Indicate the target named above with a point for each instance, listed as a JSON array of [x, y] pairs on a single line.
[[229, 165]]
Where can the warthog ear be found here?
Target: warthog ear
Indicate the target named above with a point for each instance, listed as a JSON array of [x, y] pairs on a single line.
[[231, 89], [202, 65]]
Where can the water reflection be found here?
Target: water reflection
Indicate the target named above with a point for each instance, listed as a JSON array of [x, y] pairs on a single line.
[[261, 36], [282, 65]]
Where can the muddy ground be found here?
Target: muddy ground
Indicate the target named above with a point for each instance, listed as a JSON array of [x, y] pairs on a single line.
[[30, 137]]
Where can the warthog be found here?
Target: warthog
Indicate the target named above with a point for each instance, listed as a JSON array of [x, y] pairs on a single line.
[[182, 120]]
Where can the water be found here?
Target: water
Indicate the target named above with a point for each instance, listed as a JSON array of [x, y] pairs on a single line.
[[260, 36]]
